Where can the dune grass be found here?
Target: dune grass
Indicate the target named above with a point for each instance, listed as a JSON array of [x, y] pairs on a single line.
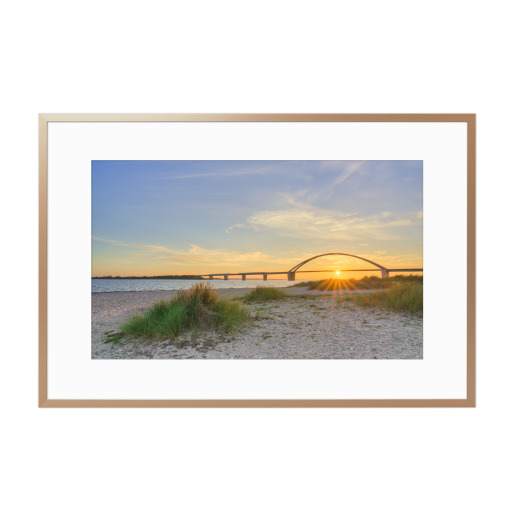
[[264, 294], [365, 283], [199, 307], [402, 296]]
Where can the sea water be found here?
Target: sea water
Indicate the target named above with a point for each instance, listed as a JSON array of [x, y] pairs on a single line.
[[145, 285]]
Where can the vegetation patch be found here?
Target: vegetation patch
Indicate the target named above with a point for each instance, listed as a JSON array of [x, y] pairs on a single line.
[[365, 283], [301, 284], [402, 296], [112, 337], [264, 294], [199, 307]]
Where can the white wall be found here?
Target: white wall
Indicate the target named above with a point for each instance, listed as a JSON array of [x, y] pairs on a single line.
[[266, 57]]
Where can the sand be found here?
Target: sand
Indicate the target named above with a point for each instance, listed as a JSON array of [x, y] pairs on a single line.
[[307, 325]]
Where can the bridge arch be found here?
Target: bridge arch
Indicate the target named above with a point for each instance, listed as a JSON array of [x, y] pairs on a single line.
[[384, 270]]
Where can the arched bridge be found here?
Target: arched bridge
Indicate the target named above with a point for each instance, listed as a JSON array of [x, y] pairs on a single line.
[[291, 273]]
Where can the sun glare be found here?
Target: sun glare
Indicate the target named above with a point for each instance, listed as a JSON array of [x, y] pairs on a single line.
[[338, 272]]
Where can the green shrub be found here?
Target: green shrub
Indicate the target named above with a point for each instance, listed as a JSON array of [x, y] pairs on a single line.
[[264, 294], [230, 314], [199, 307]]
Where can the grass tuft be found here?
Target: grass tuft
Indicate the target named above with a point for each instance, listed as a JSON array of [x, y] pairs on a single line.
[[365, 283], [402, 296], [199, 307], [264, 294]]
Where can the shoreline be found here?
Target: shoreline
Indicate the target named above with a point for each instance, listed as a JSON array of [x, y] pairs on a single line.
[[292, 290], [238, 284]]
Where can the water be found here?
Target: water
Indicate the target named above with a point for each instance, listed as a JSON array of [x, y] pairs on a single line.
[[145, 285]]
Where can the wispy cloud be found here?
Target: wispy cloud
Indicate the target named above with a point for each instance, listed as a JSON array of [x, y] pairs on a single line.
[[226, 172], [196, 255], [223, 260], [310, 222], [234, 226], [343, 169]]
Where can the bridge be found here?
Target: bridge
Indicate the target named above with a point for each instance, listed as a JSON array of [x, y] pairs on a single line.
[[291, 273]]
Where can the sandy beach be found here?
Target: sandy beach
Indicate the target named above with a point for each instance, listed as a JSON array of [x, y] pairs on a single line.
[[306, 325]]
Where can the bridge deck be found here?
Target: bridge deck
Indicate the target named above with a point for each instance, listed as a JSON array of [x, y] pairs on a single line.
[[305, 271]]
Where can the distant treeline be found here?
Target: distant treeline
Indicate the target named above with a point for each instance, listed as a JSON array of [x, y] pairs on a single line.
[[148, 277]]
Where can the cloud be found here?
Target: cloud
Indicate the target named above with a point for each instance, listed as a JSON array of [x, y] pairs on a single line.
[[309, 222], [345, 169], [292, 198], [224, 260], [196, 255], [227, 172], [234, 226]]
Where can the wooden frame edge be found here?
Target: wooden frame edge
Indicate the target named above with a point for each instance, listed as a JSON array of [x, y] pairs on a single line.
[[471, 260], [43, 260], [470, 400], [333, 118], [263, 403]]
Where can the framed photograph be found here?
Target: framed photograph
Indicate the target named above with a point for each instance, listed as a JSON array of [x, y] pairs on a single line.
[[257, 260]]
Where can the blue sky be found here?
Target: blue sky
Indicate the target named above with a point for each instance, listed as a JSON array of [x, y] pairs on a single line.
[[180, 217]]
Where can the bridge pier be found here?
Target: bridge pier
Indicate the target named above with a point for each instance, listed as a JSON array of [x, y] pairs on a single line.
[[291, 276], [264, 277], [225, 277], [243, 277], [384, 273]]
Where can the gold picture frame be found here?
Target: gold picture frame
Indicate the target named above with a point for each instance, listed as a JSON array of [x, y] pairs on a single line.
[[45, 119]]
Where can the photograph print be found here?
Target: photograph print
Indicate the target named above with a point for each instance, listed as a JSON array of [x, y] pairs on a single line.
[[257, 259]]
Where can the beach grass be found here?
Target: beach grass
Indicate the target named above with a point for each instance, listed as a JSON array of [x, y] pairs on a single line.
[[403, 296], [264, 294], [197, 308], [365, 283]]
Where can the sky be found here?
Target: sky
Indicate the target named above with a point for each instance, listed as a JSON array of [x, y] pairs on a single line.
[[200, 217]]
